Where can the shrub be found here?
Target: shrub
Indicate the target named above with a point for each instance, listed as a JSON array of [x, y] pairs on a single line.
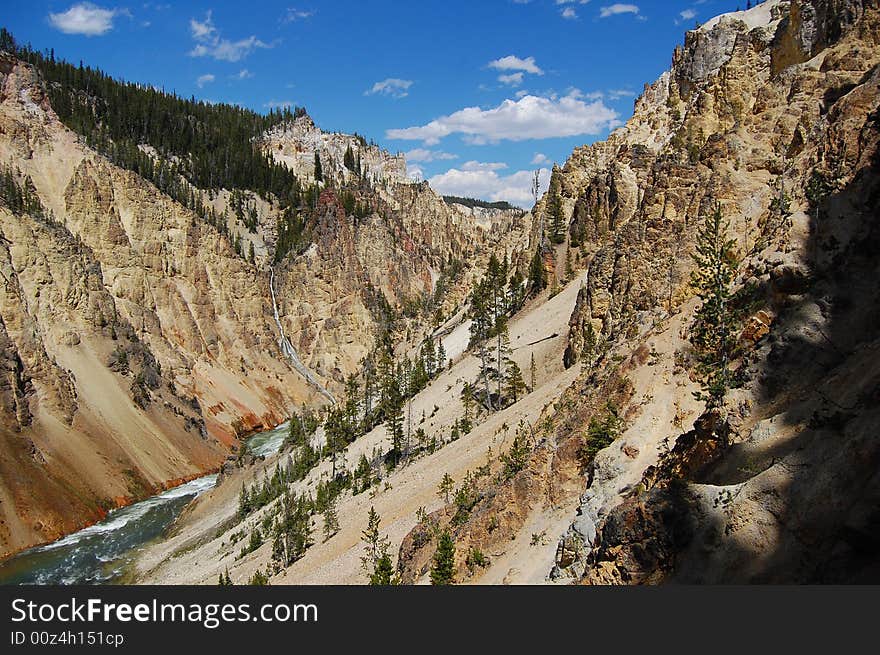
[[259, 579], [515, 459], [601, 432], [475, 559]]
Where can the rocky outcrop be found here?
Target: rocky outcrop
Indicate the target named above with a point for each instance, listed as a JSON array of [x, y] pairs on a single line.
[[296, 143], [139, 347], [772, 114], [328, 295]]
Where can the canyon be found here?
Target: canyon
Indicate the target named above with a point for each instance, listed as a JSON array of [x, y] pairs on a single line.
[[141, 347]]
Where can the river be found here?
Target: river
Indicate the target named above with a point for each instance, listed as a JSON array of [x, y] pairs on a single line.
[[101, 553]]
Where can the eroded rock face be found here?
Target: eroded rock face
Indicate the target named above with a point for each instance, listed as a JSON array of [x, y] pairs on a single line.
[[123, 313], [328, 295], [296, 143], [755, 101], [718, 128]]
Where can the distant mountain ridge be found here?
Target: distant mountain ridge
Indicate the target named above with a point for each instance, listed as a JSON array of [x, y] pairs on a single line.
[[470, 203]]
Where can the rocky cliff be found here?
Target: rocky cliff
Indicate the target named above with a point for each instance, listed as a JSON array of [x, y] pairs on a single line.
[[773, 114], [297, 142], [139, 346], [400, 249], [139, 340]]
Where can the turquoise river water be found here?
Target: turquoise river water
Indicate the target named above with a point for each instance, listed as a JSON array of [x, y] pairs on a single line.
[[101, 553]]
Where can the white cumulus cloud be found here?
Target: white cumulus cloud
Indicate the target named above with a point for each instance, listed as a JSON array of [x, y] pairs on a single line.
[[482, 180], [514, 79], [514, 63], [618, 8], [569, 13], [393, 86], [529, 117], [85, 18], [209, 43], [425, 155], [202, 80], [617, 94]]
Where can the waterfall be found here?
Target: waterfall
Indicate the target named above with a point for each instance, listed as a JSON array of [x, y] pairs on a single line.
[[288, 350]]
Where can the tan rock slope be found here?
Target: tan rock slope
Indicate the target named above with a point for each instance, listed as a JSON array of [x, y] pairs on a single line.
[[123, 308], [778, 103], [208, 538], [139, 347], [611, 471], [773, 114]]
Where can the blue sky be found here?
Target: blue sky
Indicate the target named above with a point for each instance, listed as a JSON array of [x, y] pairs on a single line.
[[477, 92]]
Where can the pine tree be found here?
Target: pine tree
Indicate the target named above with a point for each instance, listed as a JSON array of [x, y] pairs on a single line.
[[533, 372], [554, 206], [296, 433], [364, 473], [377, 548], [588, 352], [429, 356], [712, 333], [244, 502], [319, 172], [467, 399], [372, 540], [383, 575], [495, 280], [481, 329], [537, 274], [514, 385], [515, 459], [502, 357], [351, 409], [336, 435], [369, 389], [392, 408], [488, 311], [293, 529], [441, 356], [447, 484], [443, 570], [515, 294], [331, 519], [259, 579]]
